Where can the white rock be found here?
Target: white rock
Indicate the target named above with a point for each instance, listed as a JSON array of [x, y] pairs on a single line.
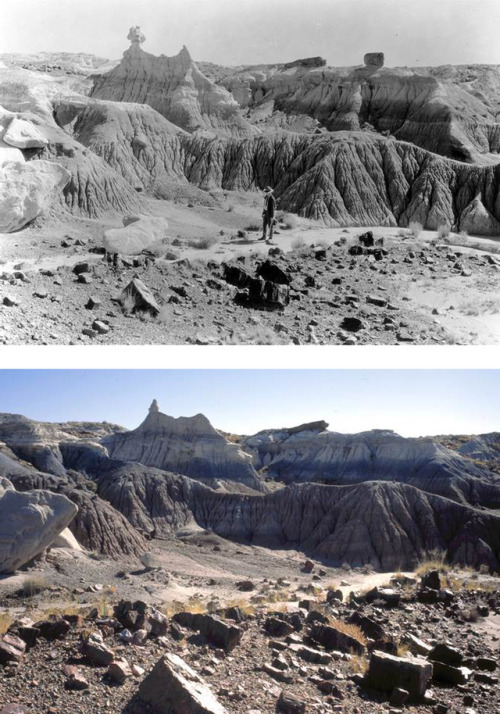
[[24, 135], [138, 233], [29, 523], [28, 189], [66, 539]]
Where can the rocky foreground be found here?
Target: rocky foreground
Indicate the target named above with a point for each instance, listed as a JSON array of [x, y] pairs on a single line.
[[428, 644], [310, 292]]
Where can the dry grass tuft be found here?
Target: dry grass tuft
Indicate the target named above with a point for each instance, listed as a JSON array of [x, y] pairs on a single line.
[[5, 622], [33, 586], [415, 229], [289, 221], [245, 607], [349, 629], [403, 650], [193, 605], [202, 243], [435, 560], [358, 664]]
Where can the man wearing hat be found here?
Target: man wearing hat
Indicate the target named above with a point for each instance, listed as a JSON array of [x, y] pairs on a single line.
[[268, 213]]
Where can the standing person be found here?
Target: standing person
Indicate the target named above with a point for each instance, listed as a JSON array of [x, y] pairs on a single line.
[[268, 213]]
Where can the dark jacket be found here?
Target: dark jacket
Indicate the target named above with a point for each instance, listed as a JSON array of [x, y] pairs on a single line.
[[269, 205]]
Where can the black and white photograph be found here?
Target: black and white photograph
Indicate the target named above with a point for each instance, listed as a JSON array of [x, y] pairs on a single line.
[[233, 173]]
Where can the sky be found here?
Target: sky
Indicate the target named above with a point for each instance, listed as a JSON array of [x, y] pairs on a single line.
[[233, 32], [411, 402]]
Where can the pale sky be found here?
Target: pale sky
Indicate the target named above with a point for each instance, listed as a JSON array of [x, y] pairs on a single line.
[[232, 32], [411, 402]]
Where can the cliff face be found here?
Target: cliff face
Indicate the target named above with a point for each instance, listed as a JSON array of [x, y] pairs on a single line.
[[329, 457], [189, 446], [346, 178], [174, 87], [387, 524], [443, 110]]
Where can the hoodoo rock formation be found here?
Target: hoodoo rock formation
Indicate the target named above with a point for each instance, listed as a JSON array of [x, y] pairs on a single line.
[[187, 445], [175, 87]]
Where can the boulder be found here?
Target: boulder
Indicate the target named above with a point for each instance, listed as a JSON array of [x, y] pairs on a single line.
[[217, 632], [24, 135], [333, 638], [137, 234], [268, 270], [10, 155], [27, 190], [431, 580], [172, 687], [387, 672], [447, 674], [374, 59], [29, 522], [140, 297], [95, 651], [267, 295], [12, 649], [477, 220], [289, 704], [446, 654]]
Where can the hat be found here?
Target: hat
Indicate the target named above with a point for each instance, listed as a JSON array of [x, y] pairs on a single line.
[[268, 189]]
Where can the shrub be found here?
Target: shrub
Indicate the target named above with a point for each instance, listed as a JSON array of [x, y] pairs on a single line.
[[415, 229], [298, 244], [358, 664], [253, 227], [33, 586], [443, 231], [289, 221], [202, 243]]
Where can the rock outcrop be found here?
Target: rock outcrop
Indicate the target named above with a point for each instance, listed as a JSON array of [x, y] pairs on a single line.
[[29, 522], [27, 190], [138, 233], [386, 523], [346, 178], [328, 457], [476, 219], [172, 686], [484, 447], [187, 445], [175, 87], [400, 101]]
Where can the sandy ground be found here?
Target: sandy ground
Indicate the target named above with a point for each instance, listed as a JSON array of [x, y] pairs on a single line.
[[468, 308]]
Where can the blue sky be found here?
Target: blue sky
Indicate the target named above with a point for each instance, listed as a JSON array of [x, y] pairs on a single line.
[[259, 31], [412, 402]]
